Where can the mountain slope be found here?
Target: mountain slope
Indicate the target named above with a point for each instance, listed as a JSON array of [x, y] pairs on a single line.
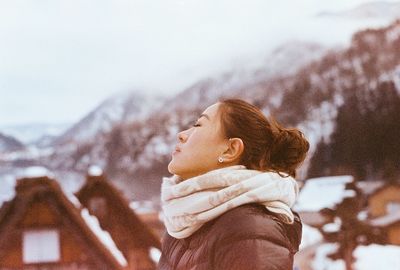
[[372, 10], [123, 107], [9, 143]]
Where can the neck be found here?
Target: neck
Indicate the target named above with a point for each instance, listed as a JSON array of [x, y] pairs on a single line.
[[189, 175]]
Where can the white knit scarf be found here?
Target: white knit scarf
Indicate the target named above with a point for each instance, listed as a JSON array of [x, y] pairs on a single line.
[[188, 204]]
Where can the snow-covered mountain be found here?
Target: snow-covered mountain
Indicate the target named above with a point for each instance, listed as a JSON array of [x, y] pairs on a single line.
[[33, 133], [121, 108], [9, 143], [372, 10]]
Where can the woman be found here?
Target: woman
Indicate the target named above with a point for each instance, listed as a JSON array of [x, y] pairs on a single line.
[[228, 204]]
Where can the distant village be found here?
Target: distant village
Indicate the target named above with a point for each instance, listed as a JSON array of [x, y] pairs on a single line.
[[353, 224], [43, 227]]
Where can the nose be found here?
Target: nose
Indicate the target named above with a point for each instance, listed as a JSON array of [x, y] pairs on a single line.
[[182, 136]]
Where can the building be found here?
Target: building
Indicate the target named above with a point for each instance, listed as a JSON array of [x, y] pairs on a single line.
[[41, 228], [384, 212], [132, 236], [384, 200], [320, 196]]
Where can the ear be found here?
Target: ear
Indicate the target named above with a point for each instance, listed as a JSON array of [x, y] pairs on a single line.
[[233, 151]]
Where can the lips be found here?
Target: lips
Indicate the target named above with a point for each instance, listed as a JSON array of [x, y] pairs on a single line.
[[176, 151]]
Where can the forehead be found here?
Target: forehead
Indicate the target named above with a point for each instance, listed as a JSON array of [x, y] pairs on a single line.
[[212, 110]]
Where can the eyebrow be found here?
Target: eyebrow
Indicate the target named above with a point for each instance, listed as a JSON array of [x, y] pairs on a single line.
[[205, 115]]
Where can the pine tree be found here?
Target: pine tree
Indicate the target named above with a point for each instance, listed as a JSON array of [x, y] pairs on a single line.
[[367, 136]]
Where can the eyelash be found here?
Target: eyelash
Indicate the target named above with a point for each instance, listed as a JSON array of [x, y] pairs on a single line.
[[196, 125]]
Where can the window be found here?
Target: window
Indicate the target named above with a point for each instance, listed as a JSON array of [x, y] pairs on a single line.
[[41, 246]]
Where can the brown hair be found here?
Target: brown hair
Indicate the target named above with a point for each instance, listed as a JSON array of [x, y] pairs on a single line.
[[267, 145]]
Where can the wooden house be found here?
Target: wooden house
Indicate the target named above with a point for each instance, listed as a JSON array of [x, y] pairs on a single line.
[[384, 211], [384, 200], [132, 236], [319, 197], [40, 228], [389, 227]]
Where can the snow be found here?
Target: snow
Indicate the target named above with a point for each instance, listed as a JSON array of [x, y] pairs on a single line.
[[386, 220], [370, 10], [393, 34], [362, 215], [396, 78], [34, 172], [103, 236], [310, 236], [31, 132], [7, 191], [334, 226], [318, 126], [349, 193], [323, 192], [366, 257], [95, 170], [322, 262], [74, 200], [142, 206], [369, 187], [121, 108], [155, 254], [29, 153]]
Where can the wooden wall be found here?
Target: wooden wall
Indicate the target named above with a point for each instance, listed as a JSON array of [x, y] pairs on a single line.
[[378, 201], [394, 234]]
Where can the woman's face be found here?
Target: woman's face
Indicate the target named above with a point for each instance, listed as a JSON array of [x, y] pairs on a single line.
[[200, 146]]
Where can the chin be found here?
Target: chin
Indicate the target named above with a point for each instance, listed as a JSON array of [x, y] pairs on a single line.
[[172, 167]]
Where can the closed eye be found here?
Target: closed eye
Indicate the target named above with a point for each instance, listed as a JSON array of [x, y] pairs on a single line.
[[197, 125]]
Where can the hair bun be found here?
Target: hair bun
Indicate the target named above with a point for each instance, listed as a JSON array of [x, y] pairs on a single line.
[[289, 150]]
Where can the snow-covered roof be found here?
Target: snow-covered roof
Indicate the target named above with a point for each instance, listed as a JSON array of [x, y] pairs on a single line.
[[374, 257], [34, 172], [9, 181], [362, 215], [386, 220], [323, 192], [142, 206], [333, 227], [103, 236], [155, 254], [74, 200], [7, 190], [95, 170], [369, 187]]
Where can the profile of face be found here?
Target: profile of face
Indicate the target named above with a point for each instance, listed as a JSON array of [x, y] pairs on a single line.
[[200, 146]]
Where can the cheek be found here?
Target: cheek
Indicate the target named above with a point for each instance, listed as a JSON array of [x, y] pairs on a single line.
[[199, 152], [202, 143]]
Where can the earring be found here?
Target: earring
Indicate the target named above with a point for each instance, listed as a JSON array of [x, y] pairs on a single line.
[[220, 160]]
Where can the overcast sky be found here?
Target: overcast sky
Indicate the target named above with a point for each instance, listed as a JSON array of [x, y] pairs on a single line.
[[60, 58]]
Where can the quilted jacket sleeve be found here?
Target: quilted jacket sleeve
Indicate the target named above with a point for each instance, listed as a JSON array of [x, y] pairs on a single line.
[[255, 242]]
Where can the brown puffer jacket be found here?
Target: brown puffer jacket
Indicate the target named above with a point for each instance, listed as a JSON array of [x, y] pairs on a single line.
[[246, 237]]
